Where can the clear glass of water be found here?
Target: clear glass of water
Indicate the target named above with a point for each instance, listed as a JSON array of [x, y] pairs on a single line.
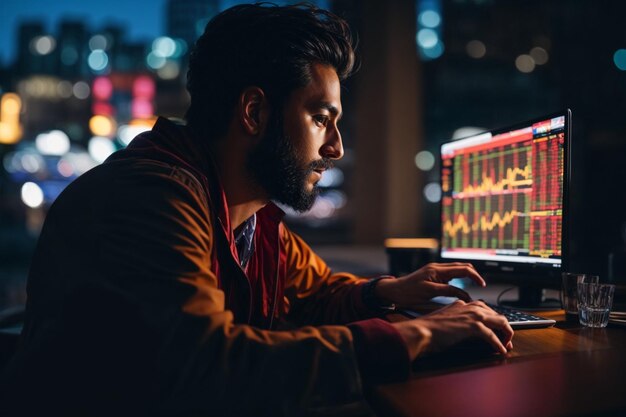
[[569, 290], [594, 303]]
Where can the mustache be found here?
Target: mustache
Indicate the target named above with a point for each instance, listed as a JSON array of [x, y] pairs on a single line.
[[324, 163]]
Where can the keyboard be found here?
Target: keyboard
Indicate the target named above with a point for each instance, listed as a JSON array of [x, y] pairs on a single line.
[[521, 320]]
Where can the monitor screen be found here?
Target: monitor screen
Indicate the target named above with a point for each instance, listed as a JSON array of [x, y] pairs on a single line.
[[503, 201]]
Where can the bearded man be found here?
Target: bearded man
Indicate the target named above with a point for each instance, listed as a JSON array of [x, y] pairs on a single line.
[[165, 281]]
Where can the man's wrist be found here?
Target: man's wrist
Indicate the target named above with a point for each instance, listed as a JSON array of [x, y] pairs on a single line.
[[417, 337], [384, 288], [374, 297]]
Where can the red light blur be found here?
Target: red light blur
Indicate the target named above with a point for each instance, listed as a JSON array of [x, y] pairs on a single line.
[[141, 108], [143, 87], [102, 108], [102, 88]]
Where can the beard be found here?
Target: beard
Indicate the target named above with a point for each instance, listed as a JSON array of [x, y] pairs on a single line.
[[277, 166]]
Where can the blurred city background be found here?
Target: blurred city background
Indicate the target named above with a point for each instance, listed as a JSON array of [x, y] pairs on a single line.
[[79, 79]]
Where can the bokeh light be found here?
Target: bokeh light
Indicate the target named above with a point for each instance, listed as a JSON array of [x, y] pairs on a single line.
[[154, 61], [9, 163], [65, 168], [322, 208], [429, 19], [98, 60], [102, 88], [141, 108], [100, 148], [64, 89], [81, 90], [476, 49], [539, 55], [164, 46], [432, 192], [427, 38], [40, 86], [126, 133], [331, 178], [55, 142], [32, 195], [42, 45], [80, 161], [31, 163], [425, 160], [169, 71], [103, 108], [525, 63], [10, 127], [101, 125], [10, 105], [337, 198], [434, 52], [98, 42], [619, 59], [143, 87], [181, 48]]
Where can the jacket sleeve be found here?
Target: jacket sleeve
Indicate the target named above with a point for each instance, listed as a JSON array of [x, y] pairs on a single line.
[[152, 317], [316, 295]]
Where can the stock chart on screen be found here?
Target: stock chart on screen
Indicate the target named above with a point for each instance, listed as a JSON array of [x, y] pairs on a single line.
[[502, 194]]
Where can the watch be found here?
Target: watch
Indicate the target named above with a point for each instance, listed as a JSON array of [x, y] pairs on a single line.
[[369, 296]]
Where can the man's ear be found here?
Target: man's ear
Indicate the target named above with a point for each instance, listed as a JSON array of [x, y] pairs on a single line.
[[253, 111]]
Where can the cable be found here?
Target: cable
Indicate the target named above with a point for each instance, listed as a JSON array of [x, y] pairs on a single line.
[[502, 293]]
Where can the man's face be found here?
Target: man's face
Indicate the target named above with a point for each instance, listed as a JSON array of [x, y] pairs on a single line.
[[302, 142]]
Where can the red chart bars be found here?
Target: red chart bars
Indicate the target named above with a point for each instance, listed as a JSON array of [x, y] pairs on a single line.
[[546, 210], [504, 195]]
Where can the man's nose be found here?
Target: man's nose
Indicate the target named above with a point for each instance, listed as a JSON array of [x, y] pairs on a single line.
[[333, 148]]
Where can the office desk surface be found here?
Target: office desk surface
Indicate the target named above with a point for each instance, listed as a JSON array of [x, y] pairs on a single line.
[[566, 370]]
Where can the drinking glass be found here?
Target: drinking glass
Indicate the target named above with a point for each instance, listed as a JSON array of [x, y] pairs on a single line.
[[594, 303], [570, 287]]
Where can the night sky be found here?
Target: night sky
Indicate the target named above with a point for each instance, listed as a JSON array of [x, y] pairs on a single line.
[[143, 19]]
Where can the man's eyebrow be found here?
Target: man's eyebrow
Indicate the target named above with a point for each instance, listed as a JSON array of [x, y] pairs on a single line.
[[331, 108]]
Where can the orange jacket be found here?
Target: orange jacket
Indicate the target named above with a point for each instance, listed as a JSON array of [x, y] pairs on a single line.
[[137, 304]]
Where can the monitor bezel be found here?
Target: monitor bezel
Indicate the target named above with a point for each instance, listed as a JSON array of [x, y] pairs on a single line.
[[522, 273]]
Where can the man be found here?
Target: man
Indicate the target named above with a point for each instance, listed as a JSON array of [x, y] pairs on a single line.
[[165, 282]]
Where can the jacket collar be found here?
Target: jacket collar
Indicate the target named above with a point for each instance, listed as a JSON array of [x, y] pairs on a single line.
[[178, 144]]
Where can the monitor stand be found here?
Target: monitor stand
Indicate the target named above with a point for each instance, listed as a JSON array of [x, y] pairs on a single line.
[[531, 299]]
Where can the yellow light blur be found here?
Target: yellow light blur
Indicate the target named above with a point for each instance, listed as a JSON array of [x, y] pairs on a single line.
[[420, 243], [148, 122], [40, 87], [102, 126], [9, 134], [10, 129], [11, 104]]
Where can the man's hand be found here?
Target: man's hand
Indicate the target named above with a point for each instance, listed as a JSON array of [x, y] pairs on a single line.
[[425, 283], [454, 323]]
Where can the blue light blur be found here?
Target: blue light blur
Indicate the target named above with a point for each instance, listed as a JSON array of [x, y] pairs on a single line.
[[98, 60], [429, 18], [429, 22], [435, 52], [619, 58], [427, 38]]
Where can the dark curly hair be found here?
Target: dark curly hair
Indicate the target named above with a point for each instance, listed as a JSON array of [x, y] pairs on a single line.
[[263, 45]]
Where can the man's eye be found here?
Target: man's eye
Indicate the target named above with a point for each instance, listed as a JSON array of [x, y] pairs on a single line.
[[321, 119]]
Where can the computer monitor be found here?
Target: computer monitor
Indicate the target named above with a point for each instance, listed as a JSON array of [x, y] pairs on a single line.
[[504, 204]]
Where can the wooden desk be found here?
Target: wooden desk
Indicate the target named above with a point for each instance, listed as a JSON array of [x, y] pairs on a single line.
[[566, 370]]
